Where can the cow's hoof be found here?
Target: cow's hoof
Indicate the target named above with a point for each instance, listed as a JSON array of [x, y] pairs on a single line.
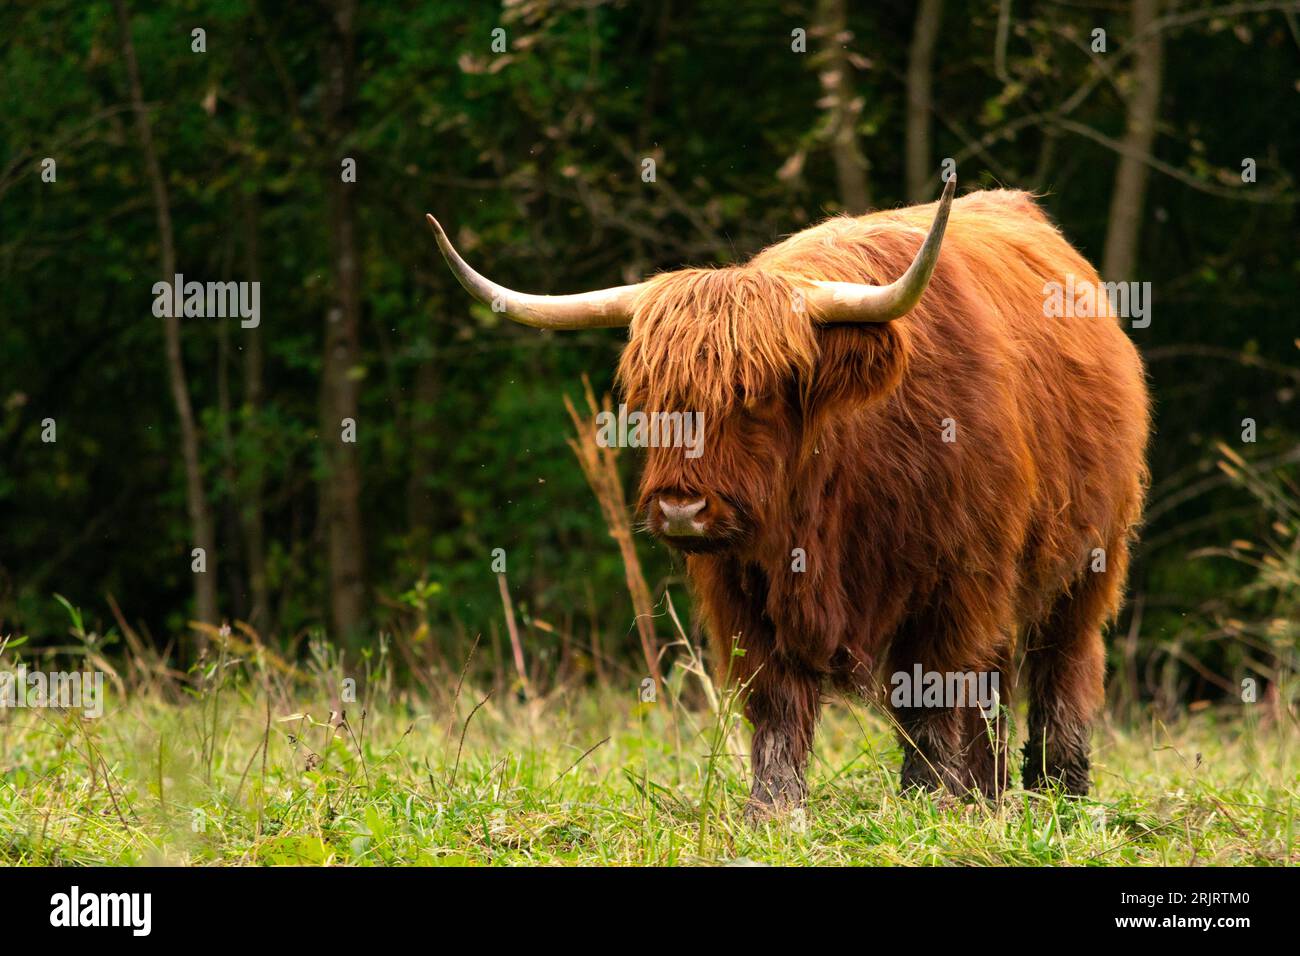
[[1069, 774]]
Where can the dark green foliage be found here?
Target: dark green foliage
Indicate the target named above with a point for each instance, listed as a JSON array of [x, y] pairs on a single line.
[[533, 160]]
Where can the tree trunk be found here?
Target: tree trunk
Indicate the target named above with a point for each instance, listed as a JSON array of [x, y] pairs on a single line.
[[836, 74], [201, 531], [921, 172], [227, 509], [423, 450], [341, 491], [1119, 261], [251, 519]]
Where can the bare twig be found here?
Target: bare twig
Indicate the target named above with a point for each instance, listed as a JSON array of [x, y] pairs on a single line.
[[600, 466]]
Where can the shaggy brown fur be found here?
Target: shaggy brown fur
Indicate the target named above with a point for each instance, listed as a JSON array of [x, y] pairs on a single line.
[[830, 439]]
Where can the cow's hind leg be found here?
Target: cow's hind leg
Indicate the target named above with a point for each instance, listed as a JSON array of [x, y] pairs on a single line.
[[1065, 664], [782, 705]]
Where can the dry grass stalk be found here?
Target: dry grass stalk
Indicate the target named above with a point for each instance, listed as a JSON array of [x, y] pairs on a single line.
[[516, 646], [600, 466]]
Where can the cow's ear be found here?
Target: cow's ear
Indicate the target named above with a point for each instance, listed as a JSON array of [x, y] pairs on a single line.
[[856, 364]]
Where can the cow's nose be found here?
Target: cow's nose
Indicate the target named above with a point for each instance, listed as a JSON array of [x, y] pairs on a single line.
[[679, 517]]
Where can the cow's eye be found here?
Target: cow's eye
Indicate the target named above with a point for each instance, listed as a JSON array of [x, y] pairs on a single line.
[[758, 415]]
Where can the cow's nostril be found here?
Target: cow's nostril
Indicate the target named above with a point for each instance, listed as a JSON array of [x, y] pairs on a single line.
[[676, 512]]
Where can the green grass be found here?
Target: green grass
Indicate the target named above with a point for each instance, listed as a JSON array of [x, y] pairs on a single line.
[[594, 777]]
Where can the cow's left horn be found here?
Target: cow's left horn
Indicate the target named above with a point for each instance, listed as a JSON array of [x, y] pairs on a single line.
[[602, 309], [846, 302]]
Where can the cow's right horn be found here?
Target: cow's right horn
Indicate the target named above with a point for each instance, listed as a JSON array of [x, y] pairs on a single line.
[[602, 309]]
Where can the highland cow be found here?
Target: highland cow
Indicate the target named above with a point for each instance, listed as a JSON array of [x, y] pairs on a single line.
[[906, 462]]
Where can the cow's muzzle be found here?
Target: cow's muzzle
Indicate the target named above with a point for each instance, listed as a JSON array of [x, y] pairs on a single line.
[[682, 519]]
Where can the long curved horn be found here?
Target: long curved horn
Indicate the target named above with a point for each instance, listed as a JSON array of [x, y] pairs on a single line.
[[602, 309], [849, 302]]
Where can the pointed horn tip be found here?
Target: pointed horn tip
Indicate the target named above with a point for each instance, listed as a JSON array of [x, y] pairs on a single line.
[[439, 235]]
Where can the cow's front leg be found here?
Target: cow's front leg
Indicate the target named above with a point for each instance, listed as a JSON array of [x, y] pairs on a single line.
[[782, 706]]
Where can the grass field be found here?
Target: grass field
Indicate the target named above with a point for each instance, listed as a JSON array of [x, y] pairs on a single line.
[[590, 777]]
